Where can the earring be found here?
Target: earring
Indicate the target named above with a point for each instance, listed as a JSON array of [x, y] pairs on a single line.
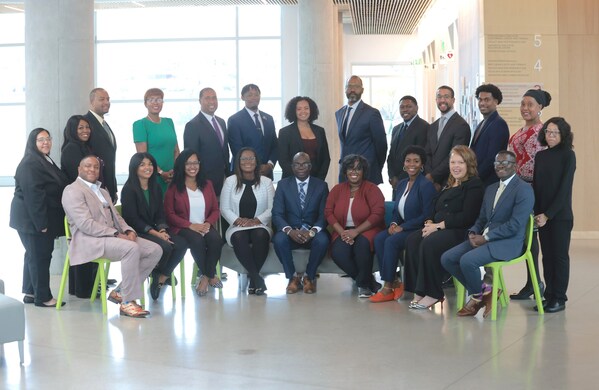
[[404, 169], [540, 112], [421, 169]]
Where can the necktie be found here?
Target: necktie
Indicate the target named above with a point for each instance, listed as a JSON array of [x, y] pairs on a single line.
[[217, 130], [402, 129], [302, 195], [345, 122], [442, 121], [498, 193], [257, 120], [108, 131], [477, 132]]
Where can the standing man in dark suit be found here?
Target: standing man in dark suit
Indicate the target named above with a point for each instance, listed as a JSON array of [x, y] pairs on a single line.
[[298, 217], [445, 133], [102, 139], [491, 135], [207, 135], [361, 131], [497, 235], [412, 131], [255, 129]]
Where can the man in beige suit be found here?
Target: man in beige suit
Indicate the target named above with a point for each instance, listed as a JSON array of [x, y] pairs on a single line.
[[98, 230]]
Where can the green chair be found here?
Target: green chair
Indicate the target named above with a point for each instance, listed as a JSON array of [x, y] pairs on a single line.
[[194, 273], [499, 282]]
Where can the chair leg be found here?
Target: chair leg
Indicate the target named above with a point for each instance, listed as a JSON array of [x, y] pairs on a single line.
[[194, 274], [535, 284], [63, 282], [496, 282], [460, 294], [182, 269], [21, 351], [173, 287], [503, 298], [143, 294]]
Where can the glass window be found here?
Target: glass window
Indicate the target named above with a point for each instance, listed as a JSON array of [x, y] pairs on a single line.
[[259, 21], [12, 28], [260, 64], [12, 74], [13, 124]]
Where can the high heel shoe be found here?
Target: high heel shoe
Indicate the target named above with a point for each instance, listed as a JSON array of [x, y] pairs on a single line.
[[202, 292], [419, 306], [526, 292]]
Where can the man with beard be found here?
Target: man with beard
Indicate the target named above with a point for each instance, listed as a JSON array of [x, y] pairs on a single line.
[[361, 131]]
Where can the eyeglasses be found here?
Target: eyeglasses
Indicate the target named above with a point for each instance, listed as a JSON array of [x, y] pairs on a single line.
[[446, 96], [41, 140], [354, 169], [192, 164], [155, 100], [503, 163], [552, 133], [246, 159], [302, 165]]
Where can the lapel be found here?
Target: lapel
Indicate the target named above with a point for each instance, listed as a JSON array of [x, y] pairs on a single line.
[[504, 195], [355, 118], [486, 124], [445, 130], [252, 123]]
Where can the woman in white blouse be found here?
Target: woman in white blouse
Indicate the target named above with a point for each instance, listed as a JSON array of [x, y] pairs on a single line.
[[246, 203], [192, 211]]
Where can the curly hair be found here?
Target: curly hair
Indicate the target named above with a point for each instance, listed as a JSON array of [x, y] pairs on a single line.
[[290, 113]]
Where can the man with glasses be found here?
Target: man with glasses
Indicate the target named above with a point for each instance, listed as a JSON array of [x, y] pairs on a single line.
[[298, 217], [445, 133], [497, 235]]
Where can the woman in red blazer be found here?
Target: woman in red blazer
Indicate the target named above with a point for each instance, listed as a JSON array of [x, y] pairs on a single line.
[[356, 211], [192, 211]]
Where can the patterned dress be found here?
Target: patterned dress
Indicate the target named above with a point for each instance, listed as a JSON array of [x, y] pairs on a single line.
[[525, 145]]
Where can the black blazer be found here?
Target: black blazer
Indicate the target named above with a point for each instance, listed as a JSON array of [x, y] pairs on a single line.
[[70, 157], [200, 136], [493, 137], [290, 143], [552, 182], [415, 134], [459, 207], [140, 215], [455, 132], [36, 204], [103, 148]]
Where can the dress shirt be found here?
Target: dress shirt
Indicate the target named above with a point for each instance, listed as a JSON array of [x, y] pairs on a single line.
[[95, 187], [209, 117], [252, 113], [102, 121], [354, 107]]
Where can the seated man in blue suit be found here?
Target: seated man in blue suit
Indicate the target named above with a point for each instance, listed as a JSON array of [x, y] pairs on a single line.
[[255, 129], [498, 233], [298, 218]]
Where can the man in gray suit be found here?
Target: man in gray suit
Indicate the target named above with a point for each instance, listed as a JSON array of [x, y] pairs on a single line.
[[497, 235], [445, 133], [97, 230]]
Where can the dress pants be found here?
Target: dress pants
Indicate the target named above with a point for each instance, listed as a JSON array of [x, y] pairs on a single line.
[[423, 273], [555, 245], [251, 248], [205, 249], [138, 258], [388, 249], [318, 246], [36, 265], [172, 254], [355, 260], [464, 262]]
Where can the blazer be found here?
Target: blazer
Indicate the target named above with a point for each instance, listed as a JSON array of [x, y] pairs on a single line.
[[455, 132], [287, 211], [507, 222], [366, 136], [36, 203], [244, 133], [229, 204], [419, 203], [177, 210], [459, 206], [103, 148], [368, 204], [91, 224], [552, 182], [415, 134], [200, 136], [70, 157], [140, 215], [494, 135], [290, 143]]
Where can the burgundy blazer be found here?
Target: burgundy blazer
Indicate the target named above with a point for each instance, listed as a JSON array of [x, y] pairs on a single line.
[[176, 207], [369, 204]]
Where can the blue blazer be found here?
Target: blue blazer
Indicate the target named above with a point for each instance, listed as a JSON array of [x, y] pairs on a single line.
[[366, 136], [286, 209], [419, 203], [244, 133], [493, 137], [507, 223]]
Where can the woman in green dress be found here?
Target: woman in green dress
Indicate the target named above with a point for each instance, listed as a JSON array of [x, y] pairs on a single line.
[[157, 136]]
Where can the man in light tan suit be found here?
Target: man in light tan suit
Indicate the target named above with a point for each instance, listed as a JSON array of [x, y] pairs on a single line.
[[98, 230]]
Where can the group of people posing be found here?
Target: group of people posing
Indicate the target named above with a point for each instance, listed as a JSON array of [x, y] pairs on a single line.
[[460, 200]]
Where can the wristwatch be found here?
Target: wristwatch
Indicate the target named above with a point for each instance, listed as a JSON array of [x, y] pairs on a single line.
[[311, 233]]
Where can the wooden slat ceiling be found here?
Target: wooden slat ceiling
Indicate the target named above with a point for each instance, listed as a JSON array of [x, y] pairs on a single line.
[[367, 16]]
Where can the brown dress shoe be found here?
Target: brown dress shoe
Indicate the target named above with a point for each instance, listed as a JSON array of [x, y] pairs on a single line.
[[294, 284], [309, 285], [471, 308], [488, 302]]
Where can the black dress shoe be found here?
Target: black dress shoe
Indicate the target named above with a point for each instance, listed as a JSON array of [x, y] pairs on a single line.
[[526, 292], [28, 299], [110, 282], [44, 305], [168, 281], [544, 302], [555, 307], [155, 286]]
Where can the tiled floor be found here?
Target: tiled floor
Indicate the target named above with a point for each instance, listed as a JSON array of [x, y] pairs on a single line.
[[330, 340]]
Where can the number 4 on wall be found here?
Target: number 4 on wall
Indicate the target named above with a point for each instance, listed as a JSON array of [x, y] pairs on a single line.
[[538, 66]]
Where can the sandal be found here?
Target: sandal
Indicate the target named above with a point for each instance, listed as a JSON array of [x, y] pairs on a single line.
[[217, 284], [201, 292]]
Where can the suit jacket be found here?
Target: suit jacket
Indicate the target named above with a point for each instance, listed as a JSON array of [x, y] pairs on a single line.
[[366, 136], [415, 134], [99, 142], [287, 211], [200, 136], [455, 132], [142, 216], [244, 133], [507, 222], [90, 222], [176, 206], [419, 203], [552, 182], [494, 135], [459, 206], [290, 143], [368, 204], [229, 204]]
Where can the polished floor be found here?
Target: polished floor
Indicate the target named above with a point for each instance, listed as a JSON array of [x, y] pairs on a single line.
[[330, 340]]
